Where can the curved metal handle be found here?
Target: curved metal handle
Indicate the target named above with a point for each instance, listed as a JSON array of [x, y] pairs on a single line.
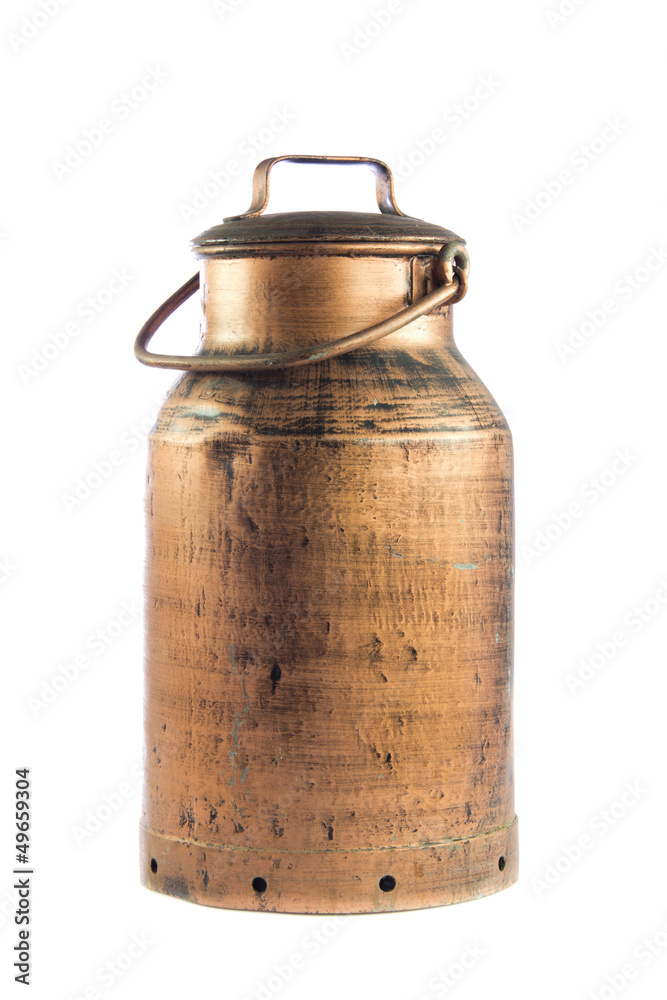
[[384, 182], [452, 264]]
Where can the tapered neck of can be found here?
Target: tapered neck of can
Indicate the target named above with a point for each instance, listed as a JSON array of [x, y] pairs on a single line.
[[279, 301]]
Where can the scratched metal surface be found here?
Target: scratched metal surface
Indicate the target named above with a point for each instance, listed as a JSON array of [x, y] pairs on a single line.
[[329, 609]]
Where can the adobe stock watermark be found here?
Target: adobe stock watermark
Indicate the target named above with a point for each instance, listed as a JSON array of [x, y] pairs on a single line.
[[633, 622], [247, 151], [644, 954], [7, 569], [562, 11], [224, 7], [131, 442], [622, 291], [111, 972], [121, 108], [85, 312], [94, 646], [7, 907], [32, 24], [452, 119], [283, 973], [588, 495], [579, 161], [110, 804], [375, 24], [599, 827], [442, 984]]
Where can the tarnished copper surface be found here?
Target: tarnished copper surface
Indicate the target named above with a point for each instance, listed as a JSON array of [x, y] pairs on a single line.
[[450, 267], [328, 701], [357, 228]]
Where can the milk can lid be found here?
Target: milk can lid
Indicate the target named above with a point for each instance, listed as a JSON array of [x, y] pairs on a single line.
[[389, 226]]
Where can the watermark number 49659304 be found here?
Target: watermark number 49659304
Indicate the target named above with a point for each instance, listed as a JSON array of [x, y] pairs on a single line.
[[23, 881]]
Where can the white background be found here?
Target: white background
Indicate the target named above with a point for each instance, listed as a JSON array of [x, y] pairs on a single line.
[[519, 96]]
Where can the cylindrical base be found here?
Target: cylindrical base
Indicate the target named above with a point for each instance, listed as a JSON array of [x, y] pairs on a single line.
[[330, 881]]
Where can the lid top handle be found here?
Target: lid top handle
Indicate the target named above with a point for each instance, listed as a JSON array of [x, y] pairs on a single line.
[[384, 182]]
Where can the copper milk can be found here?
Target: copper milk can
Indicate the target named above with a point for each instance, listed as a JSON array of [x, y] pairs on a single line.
[[329, 586]]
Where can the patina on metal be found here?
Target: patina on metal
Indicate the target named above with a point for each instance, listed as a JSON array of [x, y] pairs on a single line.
[[329, 586]]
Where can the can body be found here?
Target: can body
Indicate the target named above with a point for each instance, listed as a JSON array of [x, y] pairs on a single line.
[[329, 607]]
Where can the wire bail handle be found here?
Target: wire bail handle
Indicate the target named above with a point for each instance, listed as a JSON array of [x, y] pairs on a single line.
[[451, 270]]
